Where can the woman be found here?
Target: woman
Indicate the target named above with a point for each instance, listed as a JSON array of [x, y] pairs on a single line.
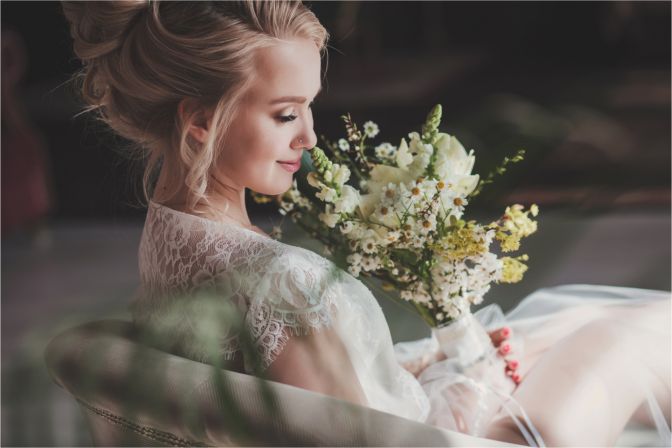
[[218, 97]]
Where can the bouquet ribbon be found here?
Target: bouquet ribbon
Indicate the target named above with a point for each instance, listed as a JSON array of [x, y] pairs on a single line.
[[469, 389]]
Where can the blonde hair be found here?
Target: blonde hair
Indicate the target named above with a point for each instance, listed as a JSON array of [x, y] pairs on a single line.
[[142, 58]]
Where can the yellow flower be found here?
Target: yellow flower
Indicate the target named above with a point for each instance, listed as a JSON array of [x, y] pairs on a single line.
[[513, 269]]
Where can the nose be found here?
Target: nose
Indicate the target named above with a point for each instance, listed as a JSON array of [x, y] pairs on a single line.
[[306, 139]]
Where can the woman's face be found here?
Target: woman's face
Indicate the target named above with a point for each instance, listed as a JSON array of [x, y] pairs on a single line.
[[274, 123]]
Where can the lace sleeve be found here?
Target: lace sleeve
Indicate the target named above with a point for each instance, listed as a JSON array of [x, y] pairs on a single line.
[[293, 295]]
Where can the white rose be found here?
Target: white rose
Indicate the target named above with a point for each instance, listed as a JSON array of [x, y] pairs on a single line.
[[348, 201], [452, 158]]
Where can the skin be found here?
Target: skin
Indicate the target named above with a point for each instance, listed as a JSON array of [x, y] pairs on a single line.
[[258, 137]]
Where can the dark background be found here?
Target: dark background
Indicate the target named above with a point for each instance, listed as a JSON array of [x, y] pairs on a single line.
[[584, 87]]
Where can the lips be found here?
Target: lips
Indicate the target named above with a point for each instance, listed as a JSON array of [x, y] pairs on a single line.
[[291, 166]]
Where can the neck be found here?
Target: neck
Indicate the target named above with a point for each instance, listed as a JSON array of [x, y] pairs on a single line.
[[220, 193]]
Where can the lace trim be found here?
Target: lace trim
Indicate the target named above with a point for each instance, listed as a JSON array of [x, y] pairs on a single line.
[[272, 327], [281, 290]]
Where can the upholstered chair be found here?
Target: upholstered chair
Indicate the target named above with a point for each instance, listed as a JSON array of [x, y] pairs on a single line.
[[135, 394]]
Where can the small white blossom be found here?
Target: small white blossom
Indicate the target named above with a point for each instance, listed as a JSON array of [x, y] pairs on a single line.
[[369, 245], [370, 263], [329, 218], [276, 233], [347, 227], [343, 144], [386, 152], [371, 129], [354, 270], [355, 264]]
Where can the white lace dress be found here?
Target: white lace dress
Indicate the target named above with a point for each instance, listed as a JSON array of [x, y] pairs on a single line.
[[283, 290]]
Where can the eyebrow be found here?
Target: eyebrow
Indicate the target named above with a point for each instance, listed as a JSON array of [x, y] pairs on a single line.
[[293, 99]]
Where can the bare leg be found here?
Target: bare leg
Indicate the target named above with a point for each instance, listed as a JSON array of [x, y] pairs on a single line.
[[583, 390]]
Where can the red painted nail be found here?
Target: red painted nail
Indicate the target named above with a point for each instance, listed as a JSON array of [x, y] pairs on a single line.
[[512, 364], [505, 332], [505, 348]]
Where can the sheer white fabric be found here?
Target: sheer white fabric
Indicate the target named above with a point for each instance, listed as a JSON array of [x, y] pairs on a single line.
[[629, 325], [284, 290], [281, 290]]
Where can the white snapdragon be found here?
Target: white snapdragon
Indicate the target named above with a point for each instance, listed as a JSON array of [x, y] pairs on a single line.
[[404, 156], [327, 194], [313, 180], [341, 174]]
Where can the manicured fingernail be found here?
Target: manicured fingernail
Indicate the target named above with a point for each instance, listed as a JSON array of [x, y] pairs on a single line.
[[512, 364], [505, 332], [505, 348]]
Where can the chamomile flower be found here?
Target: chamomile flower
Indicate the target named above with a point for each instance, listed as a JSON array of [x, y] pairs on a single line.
[[371, 129], [386, 152], [343, 144]]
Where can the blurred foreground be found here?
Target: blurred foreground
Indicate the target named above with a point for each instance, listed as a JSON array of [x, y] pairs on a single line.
[[72, 273]]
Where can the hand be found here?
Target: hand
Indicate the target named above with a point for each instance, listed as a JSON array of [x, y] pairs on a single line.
[[499, 339]]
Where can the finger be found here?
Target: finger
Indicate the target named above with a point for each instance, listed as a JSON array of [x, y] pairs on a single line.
[[515, 376], [500, 335], [504, 349], [511, 364]]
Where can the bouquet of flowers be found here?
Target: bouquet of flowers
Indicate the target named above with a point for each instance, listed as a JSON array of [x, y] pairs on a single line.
[[397, 213]]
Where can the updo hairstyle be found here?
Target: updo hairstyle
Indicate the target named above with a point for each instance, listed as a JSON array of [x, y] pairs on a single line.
[[141, 59]]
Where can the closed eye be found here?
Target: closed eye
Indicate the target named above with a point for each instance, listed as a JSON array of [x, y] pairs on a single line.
[[287, 118]]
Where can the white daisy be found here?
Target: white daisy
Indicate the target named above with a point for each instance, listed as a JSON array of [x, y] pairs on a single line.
[[343, 144], [371, 129]]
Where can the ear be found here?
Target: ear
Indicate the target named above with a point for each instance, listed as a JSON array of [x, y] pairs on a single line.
[[198, 116]]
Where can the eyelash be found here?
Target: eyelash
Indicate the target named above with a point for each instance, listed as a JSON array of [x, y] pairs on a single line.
[[288, 118]]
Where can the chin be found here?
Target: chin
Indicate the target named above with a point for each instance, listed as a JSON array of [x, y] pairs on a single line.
[[274, 189]]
